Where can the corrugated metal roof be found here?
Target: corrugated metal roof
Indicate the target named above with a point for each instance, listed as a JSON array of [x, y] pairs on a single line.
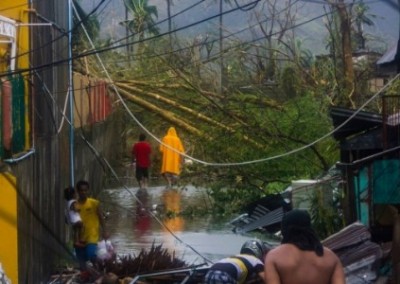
[[359, 122], [357, 252]]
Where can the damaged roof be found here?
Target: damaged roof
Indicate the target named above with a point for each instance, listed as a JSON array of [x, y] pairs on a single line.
[[389, 56], [358, 121]]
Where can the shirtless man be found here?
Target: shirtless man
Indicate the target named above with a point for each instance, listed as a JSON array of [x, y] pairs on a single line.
[[301, 258]]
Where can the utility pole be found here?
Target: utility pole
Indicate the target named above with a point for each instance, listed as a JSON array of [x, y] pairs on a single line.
[[71, 96], [221, 47], [347, 55], [128, 53]]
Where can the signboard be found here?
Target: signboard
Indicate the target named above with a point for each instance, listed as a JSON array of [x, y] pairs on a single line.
[[8, 34], [7, 27]]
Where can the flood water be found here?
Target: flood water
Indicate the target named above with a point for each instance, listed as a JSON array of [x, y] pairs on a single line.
[[139, 218]]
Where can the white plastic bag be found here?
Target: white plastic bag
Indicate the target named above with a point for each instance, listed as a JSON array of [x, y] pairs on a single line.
[[3, 278], [105, 250]]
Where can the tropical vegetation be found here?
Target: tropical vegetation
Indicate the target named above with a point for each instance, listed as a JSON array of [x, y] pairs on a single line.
[[252, 122]]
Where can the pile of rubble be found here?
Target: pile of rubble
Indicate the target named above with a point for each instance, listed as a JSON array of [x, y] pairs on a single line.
[[362, 259]]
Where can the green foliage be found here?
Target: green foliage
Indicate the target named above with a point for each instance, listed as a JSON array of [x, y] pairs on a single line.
[[289, 82], [272, 123], [83, 21], [302, 121], [394, 88], [143, 18], [361, 17], [326, 216]]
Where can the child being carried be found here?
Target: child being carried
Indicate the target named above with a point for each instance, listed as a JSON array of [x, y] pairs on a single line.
[[73, 216]]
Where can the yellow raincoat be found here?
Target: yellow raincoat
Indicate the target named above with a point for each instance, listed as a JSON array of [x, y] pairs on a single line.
[[171, 160]]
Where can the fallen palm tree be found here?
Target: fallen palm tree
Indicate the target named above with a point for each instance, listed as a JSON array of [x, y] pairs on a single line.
[[128, 90]]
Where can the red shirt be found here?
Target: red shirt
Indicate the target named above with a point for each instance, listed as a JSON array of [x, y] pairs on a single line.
[[141, 152]]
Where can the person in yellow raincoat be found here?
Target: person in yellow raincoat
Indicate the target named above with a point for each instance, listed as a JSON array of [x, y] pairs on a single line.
[[171, 148]]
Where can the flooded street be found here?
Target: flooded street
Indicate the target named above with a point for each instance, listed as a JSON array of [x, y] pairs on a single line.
[[193, 239]]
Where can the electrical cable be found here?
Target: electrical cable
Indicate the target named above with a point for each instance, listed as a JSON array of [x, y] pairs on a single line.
[[254, 161], [112, 46], [389, 83], [368, 101], [113, 43], [246, 7], [329, 134], [65, 32], [246, 162], [232, 47], [150, 54], [94, 150]]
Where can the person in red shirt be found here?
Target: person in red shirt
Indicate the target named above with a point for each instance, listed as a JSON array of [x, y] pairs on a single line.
[[141, 152]]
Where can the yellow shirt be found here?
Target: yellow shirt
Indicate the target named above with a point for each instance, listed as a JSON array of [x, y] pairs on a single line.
[[90, 218]]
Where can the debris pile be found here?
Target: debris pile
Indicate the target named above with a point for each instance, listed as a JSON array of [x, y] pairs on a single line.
[[361, 258], [136, 269]]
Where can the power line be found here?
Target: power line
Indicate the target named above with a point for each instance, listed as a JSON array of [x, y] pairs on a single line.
[[252, 161], [151, 55], [270, 158], [109, 48], [65, 32], [232, 47], [112, 46], [114, 173]]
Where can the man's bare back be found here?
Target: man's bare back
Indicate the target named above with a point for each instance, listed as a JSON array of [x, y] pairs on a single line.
[[301, 258], [287, 264]]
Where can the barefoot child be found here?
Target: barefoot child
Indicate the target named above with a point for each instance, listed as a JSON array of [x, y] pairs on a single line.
[[73, 215]]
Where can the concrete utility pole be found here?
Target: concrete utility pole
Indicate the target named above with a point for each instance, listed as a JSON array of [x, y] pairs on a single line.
[[221, 46]]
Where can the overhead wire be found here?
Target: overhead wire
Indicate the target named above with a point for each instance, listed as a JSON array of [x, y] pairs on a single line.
[[113, 47], [111, 168], [276, 156], [219, 164], [149, 54], [239, 163], [112, 44], [132, 43], [66, 32], [242, 163], [290, 152], [232, 47], [256, 160], [66, 60], [246, 7]]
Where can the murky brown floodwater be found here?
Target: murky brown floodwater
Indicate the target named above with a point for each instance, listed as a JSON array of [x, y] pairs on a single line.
[[132, 228]]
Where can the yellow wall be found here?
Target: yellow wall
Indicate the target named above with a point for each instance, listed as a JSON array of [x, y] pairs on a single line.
[[8, 227], [17, 11]]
